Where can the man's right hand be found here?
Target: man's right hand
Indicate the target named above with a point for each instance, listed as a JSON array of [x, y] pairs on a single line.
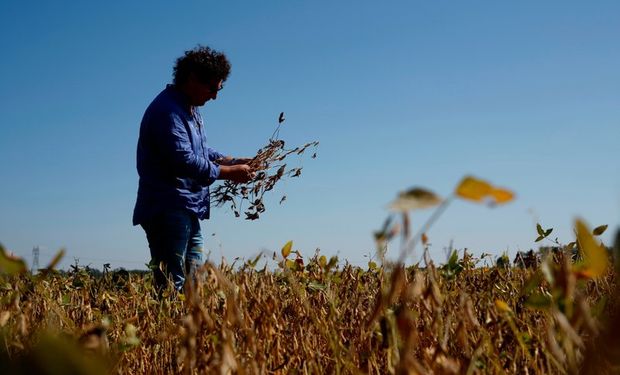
[[237, 173]]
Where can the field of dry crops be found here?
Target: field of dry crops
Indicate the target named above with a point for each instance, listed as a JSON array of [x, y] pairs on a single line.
[[318, 317], [558, 314]]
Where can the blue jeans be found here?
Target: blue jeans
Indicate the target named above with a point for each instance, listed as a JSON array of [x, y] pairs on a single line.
[[176, 244]]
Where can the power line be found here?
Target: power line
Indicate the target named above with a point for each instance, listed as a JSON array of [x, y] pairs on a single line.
[[109, 260], [37, 251]]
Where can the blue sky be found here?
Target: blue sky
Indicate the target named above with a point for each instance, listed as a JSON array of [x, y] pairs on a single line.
[[399, 94]]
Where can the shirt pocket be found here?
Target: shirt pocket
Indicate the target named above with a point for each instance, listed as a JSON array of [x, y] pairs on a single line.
[[188, 184]]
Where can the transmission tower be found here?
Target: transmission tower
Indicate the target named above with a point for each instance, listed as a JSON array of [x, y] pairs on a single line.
[[35, 259]]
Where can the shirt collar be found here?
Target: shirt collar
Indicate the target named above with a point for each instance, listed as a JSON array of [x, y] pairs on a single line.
[[180, 98]]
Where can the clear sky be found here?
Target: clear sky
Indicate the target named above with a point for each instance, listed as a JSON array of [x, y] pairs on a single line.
[[525, 94]]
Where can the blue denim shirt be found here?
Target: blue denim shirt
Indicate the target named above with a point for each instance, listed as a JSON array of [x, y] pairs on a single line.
[[175, 164]]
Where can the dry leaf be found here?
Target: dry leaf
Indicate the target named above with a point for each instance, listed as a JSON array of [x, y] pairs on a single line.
[[415, 199], [473, 189], [501, 196], [595, 257]]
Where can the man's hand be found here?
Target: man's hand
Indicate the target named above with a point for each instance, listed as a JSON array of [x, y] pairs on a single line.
[[237, 173], [229, 160], [237, 161]]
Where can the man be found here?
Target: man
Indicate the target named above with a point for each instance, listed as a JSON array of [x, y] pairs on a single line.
[[176, 166]]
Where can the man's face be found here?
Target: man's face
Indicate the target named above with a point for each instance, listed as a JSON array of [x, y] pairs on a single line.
[[199, 93]]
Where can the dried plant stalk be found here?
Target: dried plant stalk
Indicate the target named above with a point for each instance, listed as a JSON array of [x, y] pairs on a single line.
[[269, 163]]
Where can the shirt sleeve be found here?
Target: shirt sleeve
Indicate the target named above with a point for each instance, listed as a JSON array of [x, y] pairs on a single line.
[[214, 154], [175, 144]]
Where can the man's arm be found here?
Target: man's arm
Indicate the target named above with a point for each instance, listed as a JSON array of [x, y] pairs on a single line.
[[175, 143], [214, 154], [229, 160]]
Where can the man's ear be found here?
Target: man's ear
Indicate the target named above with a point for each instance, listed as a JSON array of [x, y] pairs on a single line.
[[192, 78]]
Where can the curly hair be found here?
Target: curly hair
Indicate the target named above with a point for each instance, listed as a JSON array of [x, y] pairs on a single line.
[[207, 64]]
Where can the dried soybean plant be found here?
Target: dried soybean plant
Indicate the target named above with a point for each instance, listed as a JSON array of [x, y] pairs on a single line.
[[270, 167]]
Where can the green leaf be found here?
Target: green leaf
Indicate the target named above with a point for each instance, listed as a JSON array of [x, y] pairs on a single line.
[[252, 263], [58, 355], [333, 261], [291, 265], [599, 307], [599, 230], [130, 340], [532, 283], [453, 261], [538, 301], [542, 233], [313, 285], [11, 265], [56, 259]]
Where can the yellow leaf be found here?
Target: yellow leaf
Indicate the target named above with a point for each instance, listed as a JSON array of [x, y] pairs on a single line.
[[322, 261], [286, 249], [501, 195], [424, 239], [595, 258], [582, 272], [473, 189], [502, 306]]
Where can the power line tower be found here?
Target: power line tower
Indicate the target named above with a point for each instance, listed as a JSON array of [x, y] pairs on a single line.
[[35, 259]]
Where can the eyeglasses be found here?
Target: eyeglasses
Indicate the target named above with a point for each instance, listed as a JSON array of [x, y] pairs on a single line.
[[216, 88]]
